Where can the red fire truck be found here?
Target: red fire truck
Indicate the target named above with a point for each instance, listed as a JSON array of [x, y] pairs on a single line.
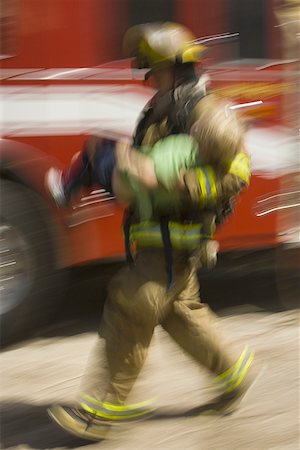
[[57, 88]]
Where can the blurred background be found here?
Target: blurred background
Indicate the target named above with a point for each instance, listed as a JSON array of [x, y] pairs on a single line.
[[90, 32]]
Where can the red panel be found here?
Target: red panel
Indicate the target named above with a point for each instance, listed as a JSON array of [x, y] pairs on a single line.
[[273, 31], [60, 147], [66, 33], [203, 17], [98, 239], [245, 229]]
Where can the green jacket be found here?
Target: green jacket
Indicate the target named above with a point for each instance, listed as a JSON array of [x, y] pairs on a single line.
[[170, 156]]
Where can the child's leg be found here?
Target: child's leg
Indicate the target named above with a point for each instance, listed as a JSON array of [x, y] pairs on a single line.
[[103, 163], [94, 164], [77, 174]]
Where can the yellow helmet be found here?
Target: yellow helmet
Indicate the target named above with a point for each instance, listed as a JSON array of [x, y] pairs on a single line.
[[157, 43]]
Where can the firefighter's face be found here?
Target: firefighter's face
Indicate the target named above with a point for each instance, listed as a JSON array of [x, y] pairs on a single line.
[[162, 78]]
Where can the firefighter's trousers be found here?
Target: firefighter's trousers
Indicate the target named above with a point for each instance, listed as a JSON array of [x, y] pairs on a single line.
[[138, 301]]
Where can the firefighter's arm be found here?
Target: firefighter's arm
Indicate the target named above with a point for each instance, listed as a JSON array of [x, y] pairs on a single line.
[[237, 177], [205, 186], [135, 164], [168, 157]]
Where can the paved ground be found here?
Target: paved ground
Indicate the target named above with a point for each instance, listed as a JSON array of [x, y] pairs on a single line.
[[44, 370]]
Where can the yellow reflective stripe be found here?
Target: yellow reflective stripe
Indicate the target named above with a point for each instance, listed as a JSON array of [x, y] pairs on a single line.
[[241, 374], [183, 227], [146, 234], [104, 415], [149, 232], [202, 182], [183, 236], [178, 242], [207, 182], [234, 376], [116, 412], [114, 407], [172, 224], [213, 186], [241, 167], [236, 366]]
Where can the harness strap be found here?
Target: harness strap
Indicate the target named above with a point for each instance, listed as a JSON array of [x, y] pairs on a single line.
[[185, 99], [127, 220], [167, 245]]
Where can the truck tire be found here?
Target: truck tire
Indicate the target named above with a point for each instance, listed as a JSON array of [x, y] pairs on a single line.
[[29, 283]]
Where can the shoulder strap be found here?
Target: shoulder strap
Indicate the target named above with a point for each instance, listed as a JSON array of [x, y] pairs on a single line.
[[156, 110], [168, 251], [127, 221], [185, 98]]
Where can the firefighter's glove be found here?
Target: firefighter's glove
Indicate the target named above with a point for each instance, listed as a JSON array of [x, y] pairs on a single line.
[[225, 211]]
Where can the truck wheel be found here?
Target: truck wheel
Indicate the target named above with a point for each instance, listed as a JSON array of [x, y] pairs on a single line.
[[29, 283]]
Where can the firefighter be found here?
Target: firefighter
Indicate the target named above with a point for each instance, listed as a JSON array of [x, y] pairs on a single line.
[[161, 285], [215, 140], [214, 145]]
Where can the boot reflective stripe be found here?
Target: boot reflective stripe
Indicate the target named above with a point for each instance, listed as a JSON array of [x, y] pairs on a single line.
[[233, 377], [207, 181], [182, 236], [116, 412], [241, 374], [114, 415], [114, 407], [241, 167], [233, 369]]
